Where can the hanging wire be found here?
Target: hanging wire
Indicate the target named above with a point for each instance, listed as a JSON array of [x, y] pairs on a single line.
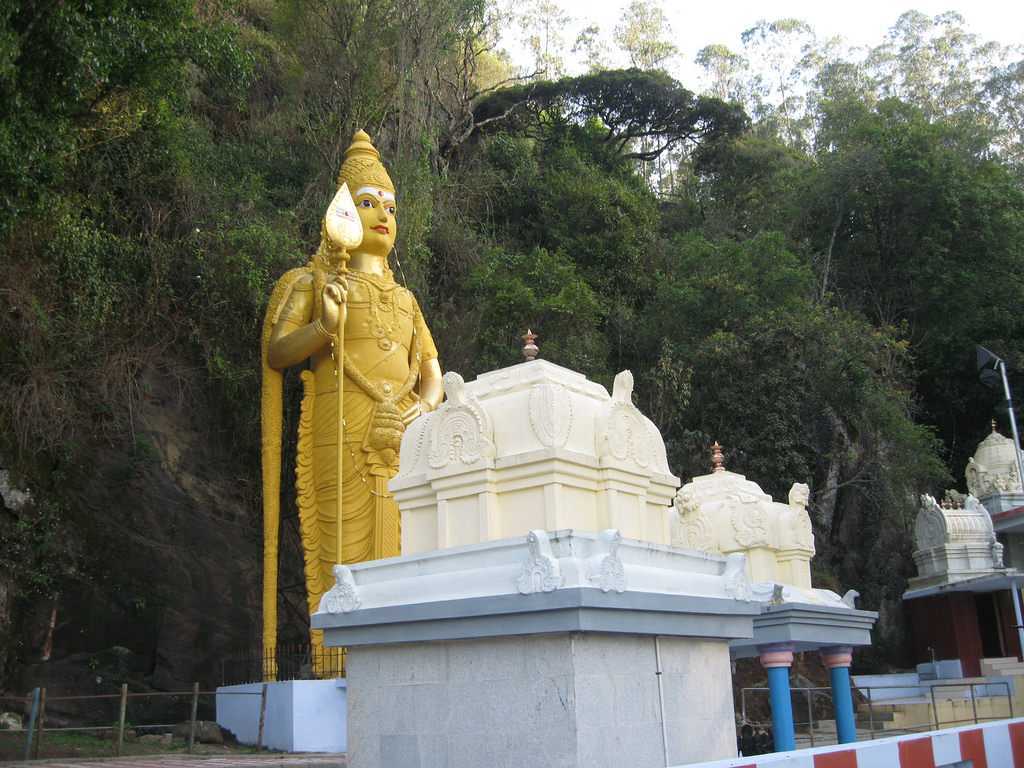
[[401, 271]]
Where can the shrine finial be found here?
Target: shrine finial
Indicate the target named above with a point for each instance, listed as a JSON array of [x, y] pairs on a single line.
[[530, 349], [717, 458]]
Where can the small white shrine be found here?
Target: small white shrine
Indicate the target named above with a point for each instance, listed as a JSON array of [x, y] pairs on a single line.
[[993, 475], [964, 604], [954, 542], [724, 512]]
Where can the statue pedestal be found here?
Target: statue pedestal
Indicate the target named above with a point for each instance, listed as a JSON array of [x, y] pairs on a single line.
[[569, 699], [560, 649]]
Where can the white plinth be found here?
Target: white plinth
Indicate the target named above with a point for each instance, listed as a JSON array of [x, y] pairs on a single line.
[[539, 651], [301, 715], [537, 700]]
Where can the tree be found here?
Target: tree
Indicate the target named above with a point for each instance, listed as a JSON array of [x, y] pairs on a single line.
[[934, 63], [775, 50], [930, 223], [542, 23], [634, 107], [592, 47], [644, 33], [724, 70]]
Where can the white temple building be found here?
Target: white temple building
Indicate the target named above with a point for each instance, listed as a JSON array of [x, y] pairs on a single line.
[[964, 604]]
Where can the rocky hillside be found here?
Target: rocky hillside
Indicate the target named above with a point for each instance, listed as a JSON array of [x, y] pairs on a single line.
[[172, 546]]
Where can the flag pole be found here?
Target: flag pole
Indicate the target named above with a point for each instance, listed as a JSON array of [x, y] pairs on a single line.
[[1013, 424]]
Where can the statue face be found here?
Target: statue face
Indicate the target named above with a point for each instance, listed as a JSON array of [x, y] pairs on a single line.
[[376, 209]]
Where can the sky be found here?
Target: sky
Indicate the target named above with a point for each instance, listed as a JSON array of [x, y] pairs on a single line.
[[862, 22]]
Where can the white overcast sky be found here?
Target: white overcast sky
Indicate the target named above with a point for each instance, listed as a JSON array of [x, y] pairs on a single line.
[[860, 22]]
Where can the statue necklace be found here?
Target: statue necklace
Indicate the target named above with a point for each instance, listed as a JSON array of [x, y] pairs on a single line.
[[381, 293]]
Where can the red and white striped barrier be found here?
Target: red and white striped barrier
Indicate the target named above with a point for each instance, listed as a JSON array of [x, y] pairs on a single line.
[[992, 745]]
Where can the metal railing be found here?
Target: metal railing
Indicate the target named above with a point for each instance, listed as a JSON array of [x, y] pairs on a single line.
[[35, 705], [872, 707], [287, 662]]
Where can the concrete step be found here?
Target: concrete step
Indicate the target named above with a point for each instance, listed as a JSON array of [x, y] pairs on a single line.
[[1007, 666]]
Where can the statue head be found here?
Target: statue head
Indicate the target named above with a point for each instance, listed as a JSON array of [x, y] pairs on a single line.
[[373, 193]]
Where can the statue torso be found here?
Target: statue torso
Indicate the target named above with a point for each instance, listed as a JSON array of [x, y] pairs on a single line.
[[378, 333]]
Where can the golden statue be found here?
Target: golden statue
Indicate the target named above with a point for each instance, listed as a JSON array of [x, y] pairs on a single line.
[[343, 309]]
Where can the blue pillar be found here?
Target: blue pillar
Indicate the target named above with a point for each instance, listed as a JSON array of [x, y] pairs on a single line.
[[838, 662], [777, 659]]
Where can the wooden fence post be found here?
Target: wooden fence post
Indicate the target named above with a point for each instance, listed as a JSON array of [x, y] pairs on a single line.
[[263, 715], [192, 718], [119, 744], [40, 722], [33, 713]]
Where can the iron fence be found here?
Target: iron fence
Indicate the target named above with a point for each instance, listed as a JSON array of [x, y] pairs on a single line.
[[814, 719], [133, 718], [299, 661]]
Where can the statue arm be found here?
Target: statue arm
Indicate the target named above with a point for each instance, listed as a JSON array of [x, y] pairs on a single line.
[[431, 387], [295, 336]]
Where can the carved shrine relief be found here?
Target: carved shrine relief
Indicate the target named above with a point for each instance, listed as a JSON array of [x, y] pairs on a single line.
[[343, 597], [462, 431], [749, 521], [551, 414], [540, 571], [693, 528]]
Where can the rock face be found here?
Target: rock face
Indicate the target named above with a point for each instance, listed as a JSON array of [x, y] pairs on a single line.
[[164, 739], [173, 532], [207, 732]]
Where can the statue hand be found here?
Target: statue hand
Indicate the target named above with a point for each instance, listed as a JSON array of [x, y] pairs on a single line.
[[410, 414], [335, 301]]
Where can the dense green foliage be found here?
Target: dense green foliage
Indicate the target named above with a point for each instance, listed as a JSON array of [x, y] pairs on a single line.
[[807, 291]]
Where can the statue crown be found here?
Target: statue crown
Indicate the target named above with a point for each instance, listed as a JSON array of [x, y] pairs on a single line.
[[362, 166]]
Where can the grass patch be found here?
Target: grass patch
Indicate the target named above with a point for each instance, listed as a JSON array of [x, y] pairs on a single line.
[[88, 744]]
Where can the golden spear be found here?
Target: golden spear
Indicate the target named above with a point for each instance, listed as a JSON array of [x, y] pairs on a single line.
[[345, 230]]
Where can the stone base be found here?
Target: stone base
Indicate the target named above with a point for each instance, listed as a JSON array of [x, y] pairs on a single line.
[[301, 715], [571, 699], [1003, 501]]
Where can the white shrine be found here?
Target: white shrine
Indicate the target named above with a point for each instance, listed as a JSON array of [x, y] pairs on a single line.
[[724, 512], [954, 542], [993, 476], [964, 604], [549, 608], [532, 446]]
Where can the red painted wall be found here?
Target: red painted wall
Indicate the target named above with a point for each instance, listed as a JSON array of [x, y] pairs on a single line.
[[949, 624], [1008, 619]]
